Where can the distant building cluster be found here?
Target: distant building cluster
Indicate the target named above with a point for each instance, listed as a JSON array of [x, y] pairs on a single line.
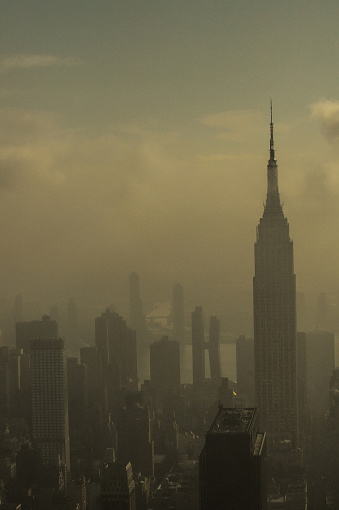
[[85, 433]]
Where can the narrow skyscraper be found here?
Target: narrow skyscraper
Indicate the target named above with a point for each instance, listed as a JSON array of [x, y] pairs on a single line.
[[198, 347], [50, 400], [274, 301], [178, 313]]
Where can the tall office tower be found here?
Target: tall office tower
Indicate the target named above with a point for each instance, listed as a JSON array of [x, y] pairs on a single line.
[[118, 345], [77, 393], [226, 393], [165, 368], [18, 308], [50, 432], [91, 357], [213, 347], [274, 303], [117, 487], [320, 362], [136, 317], [135, 443], [26, 331], [245, 369], [198, 347], [178, 313], [4, 383], [232, 462], [332, 434], [301, 384]]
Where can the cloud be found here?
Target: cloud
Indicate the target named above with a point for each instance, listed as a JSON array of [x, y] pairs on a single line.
[[326, 112], [26, 61]]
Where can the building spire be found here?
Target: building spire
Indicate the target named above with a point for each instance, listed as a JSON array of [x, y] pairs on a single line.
[[273, 199], [271, 139]]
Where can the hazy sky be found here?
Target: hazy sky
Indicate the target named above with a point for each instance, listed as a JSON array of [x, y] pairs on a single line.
[[134, 135]]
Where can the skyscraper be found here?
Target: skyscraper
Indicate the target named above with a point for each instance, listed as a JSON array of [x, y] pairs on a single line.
[[274, 302], [213, 346], [232, 462], [165, 367], [245, 369], [136, 317], [198, 347], [26, 331], [178, 313], [117, 344], [117, 487], [50, 400]]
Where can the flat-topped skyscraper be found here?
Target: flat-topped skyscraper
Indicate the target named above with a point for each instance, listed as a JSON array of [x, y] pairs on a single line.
[[274, 302]]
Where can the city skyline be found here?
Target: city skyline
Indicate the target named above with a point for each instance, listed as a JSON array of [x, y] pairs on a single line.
[[147, 121]]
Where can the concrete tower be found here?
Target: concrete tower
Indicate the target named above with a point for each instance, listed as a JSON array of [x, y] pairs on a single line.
[[178, 313], [274, 301], [50, 400], [198, 347]]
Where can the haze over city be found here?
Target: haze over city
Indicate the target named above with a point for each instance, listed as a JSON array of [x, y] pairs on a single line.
[[134, 137]]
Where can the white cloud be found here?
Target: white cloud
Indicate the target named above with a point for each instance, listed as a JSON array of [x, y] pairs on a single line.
[[25, 61], [326, 112]]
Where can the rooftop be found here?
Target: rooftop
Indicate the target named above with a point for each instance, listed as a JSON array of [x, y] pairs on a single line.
[[233, 421]]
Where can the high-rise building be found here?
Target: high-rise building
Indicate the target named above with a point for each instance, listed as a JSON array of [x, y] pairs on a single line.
[[320, 363], [178, 311], [50, 429], [117, 344], [165, 367], [274, 302], [232, 462], [198, 347], [245, 369], [214, 349], [5, 392], [26, 331], [136, 317], [135, 443], [117, 487]]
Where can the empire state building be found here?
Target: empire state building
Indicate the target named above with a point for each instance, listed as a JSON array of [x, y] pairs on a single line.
[[274, 303]]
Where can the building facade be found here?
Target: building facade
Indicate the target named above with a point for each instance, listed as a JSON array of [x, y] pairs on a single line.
[[50, 429], [232, 462], [165, 367], [274, 302]]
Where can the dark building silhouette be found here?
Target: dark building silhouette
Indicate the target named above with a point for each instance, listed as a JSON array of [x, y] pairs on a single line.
[[135, 443], [332, 443], [214, 350], [319, 366], [4, 383], [245, 369], [18, 308], [92, 359], [117, 343], [136, 315], [226, 393], [77, 393], [117, 487], [165, 367], [274, 301], [198, 347], [301, 381], [232, 462], [50, 428], [26, 331], [178, 312]]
